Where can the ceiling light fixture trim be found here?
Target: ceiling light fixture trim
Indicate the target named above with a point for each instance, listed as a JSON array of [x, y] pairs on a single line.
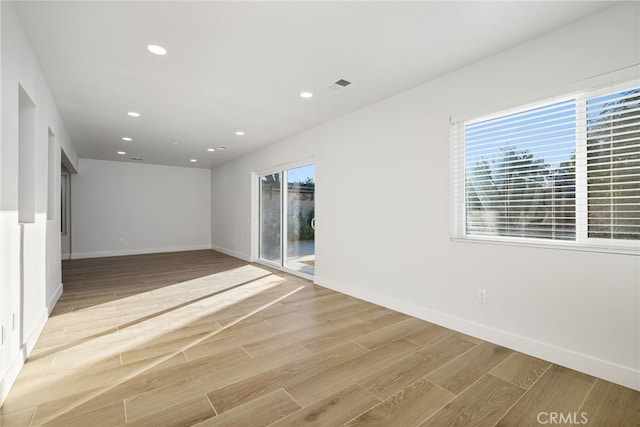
[[157, 49]]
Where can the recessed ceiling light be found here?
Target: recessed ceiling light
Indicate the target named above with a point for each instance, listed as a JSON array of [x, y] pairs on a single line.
[[133, 114], [122, 153], [211, 149], [158, 50], [175, 143], [193, 160], [222, 148], [306, 94], [239, 133], [126, 138]]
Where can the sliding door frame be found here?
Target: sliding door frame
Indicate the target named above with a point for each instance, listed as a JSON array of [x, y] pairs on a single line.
[[255, 214]]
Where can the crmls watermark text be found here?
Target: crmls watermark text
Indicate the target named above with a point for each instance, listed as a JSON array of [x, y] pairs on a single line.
[[562, 418]]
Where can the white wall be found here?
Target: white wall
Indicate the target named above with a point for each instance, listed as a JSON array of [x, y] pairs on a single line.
[[30, 273], [388, 241], [120, 208]]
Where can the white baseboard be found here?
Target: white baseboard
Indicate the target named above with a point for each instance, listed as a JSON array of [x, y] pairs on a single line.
[[51, 304], [615, 373], [65, 257], [11, 374], [33, 336], [229, 252], [20, 356], [102, 254]]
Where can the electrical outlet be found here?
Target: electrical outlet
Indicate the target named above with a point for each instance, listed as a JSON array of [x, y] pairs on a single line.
[[482, 296]]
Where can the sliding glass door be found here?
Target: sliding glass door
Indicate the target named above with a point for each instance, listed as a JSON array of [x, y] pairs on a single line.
[[287, 219], [271, 218], [299, 247]]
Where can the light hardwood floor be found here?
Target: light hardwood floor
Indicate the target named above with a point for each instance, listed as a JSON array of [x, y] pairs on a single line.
[[202, 338]]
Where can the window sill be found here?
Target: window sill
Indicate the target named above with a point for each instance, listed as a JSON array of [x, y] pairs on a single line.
[[557, 245]]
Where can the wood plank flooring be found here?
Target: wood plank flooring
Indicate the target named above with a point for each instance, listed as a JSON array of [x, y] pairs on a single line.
[[201, 338]]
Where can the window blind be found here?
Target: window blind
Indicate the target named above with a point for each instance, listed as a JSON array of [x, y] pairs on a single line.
[[519, 174], [613, 166], [563, 171]]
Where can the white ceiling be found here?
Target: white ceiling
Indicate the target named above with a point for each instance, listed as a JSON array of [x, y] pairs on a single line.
[[241, 65]]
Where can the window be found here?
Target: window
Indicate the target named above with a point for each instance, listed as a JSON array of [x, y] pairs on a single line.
[[563, 172], [64, 203]]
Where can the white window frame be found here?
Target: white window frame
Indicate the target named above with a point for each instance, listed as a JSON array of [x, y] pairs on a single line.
[[582, 242]]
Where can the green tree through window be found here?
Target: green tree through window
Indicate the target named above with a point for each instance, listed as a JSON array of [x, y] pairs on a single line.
[[566, 171]]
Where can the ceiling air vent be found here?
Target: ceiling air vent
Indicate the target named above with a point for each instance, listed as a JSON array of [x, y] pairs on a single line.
[[138, 159], [339, 85]]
